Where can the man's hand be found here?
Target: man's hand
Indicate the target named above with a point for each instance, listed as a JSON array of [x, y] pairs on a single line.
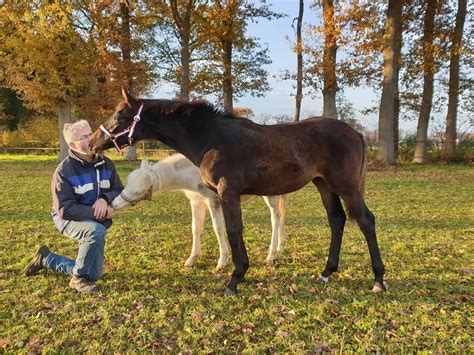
[[110, 212], [100, 208]]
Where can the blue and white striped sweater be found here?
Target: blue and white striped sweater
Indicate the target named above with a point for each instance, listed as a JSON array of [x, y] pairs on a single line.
[[77, 184]]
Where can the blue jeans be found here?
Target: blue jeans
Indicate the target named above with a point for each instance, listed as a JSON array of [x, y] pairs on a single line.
[[90, 258]]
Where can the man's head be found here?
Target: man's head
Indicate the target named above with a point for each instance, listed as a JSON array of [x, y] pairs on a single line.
[[77, 136]]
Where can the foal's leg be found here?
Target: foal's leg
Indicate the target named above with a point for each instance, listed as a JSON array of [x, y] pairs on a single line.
[[234, 228], [337, 220], [366, 221], [198, 209], [218, 224], [283, 205], [273, 203]]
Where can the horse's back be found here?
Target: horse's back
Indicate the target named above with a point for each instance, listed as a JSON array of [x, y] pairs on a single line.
[[277, 159]]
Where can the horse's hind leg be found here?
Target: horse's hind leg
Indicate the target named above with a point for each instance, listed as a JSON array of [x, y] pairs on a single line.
[[283, 206], [366, 221], [218, 224], [337, 220], [198, 209], [273, 204]]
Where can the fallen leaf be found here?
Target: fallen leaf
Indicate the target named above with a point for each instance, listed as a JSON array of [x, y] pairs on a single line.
[[320, 347], [5, 343]]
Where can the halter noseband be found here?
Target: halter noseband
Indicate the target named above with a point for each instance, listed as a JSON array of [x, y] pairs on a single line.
[[133, 202], [129, 131]]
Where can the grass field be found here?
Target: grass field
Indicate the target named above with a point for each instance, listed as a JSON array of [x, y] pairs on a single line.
[[150, 302]]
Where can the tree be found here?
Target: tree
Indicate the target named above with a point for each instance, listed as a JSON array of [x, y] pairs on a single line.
[[12, 109], [428, 82], [344, 50], [177, 20], [119, 33], [331, 34], [46, 61], [387, 111], [241, 57], [299, 60], [449, 148]]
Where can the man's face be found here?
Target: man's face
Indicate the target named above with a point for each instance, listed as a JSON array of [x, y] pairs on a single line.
[[80, 143]]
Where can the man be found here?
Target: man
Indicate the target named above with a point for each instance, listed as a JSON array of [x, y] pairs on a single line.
[[83, 187]]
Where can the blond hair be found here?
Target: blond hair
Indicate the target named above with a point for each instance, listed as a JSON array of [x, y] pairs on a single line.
[[70, 129]]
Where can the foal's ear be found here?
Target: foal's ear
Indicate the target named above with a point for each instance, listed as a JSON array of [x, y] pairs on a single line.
[[128, 98], [145, 164]]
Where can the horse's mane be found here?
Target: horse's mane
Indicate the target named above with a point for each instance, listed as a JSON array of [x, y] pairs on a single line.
[[198, 108]]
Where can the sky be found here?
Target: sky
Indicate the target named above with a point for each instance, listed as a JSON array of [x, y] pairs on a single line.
[[279, 100]]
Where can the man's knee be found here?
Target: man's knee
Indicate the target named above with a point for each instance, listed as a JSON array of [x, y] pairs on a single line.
[[96, 233]]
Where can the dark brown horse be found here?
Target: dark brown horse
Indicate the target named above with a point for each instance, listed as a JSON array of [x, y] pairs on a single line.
[[239, 157]]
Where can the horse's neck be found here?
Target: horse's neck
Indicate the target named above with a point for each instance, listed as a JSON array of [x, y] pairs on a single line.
[[188, 136], [175, 173]]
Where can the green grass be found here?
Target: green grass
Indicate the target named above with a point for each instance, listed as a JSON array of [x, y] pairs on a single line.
[[151, 302]]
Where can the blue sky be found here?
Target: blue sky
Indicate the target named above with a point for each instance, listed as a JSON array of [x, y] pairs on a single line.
[[279, 99]]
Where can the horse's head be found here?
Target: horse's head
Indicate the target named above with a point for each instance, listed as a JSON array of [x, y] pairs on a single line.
[[119, 130], [139, 186]]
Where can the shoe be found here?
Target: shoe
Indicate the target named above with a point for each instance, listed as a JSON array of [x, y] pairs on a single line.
[[82, 284], [36, 264]]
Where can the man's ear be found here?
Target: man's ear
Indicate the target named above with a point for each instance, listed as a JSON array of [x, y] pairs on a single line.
[[72, 145], [128, 98]]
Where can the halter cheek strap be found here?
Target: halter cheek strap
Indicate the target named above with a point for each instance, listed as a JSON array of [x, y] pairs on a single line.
[[128, 131]]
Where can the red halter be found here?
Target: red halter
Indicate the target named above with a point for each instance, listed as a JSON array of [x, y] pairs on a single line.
[[128, 130]]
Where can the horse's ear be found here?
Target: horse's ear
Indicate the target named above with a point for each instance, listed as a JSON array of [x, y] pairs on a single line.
[[127, 97], [145, 164]]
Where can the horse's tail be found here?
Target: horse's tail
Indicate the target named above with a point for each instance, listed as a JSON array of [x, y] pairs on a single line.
[[363, 166]]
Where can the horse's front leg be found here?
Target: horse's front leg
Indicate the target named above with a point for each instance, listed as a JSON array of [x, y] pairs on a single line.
[[234, 227], [198, 210]]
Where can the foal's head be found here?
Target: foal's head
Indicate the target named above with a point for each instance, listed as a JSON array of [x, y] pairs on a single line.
[[115, 130], [139, 186]]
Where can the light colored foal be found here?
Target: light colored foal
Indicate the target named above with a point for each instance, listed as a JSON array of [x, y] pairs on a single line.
[[177, 173]]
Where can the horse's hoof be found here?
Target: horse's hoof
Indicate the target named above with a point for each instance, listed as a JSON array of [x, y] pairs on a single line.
[[379, 288], [228, 292], [269, 261], [218, 269], [323, 279]]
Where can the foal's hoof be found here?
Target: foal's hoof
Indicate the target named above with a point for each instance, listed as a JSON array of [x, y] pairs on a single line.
[[379, 288], [229, 292], [323, 279], [218, 269]]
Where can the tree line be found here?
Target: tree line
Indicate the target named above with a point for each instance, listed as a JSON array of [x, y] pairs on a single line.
[[70, 58]]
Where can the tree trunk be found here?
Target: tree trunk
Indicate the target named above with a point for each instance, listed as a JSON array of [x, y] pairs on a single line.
[[64, 116], [421, 155], [227, 79], [329, 61], [299, 57], [126, 47], [449, 148], [386, 153], [183, 24], [126, 43], [396, 108], [396, 120], [185, 60]]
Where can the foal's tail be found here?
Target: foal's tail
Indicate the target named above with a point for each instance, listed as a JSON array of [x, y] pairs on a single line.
[[363, 166]]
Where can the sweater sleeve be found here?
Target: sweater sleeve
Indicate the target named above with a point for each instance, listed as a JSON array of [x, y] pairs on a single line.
[[65, 203], [116, 185]]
